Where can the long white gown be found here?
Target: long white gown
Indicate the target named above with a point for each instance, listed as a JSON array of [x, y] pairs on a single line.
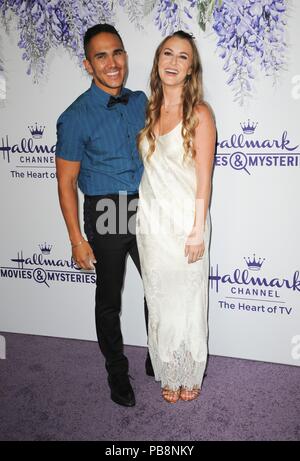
[[176, 292]]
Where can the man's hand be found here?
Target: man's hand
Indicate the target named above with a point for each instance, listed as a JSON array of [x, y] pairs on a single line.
[[83, 256]]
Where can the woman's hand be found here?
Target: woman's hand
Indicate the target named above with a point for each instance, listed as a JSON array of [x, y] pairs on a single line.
[[83, 256], [194, 247]]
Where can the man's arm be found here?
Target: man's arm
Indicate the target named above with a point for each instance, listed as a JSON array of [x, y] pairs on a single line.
[[67, 175]]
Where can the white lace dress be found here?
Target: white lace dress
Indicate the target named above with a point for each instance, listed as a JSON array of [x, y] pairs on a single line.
[[176, 292]]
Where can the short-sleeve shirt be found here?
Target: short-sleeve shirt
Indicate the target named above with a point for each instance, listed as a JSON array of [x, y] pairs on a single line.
[[103, 139]]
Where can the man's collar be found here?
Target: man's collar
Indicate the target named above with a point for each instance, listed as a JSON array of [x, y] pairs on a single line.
[[101, 96]]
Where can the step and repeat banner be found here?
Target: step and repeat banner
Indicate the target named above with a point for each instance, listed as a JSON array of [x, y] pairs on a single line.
[[251, 61]]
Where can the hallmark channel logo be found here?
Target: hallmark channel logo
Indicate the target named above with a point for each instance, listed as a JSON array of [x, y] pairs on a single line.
[[249, 290], [29, 158], [244, 150], [36, 132], [249, 127], [41, 267]]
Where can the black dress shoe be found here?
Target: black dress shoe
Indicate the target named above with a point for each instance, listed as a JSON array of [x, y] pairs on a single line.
[[121, 390], [148, 366]]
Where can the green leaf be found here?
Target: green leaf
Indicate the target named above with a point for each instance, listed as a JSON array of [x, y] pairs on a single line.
[[202, 25], [149, 6]]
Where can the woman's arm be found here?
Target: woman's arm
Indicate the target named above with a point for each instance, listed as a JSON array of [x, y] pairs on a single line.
[[204, 145]]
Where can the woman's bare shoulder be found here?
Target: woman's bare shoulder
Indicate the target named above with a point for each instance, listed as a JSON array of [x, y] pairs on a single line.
[[204, 112]]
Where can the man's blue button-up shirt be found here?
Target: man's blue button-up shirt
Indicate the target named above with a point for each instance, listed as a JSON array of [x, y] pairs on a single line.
[[104, 141]]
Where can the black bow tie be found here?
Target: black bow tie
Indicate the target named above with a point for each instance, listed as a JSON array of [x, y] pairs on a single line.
[[122, 99]]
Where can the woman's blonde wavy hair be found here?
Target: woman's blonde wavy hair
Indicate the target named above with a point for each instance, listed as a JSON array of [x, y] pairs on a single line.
[[192, 95]]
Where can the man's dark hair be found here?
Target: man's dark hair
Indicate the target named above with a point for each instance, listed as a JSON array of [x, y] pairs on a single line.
[[95, 30]]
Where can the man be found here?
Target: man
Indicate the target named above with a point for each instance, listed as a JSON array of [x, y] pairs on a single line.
[[96, 148]]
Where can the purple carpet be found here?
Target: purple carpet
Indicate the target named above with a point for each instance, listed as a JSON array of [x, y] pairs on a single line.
[[56, 389]]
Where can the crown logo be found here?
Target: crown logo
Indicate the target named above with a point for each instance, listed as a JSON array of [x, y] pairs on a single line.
[[248, 128], [36, 132], [254, 265], [45, 249]]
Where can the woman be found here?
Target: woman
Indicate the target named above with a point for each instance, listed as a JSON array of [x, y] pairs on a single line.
[[173, 222]]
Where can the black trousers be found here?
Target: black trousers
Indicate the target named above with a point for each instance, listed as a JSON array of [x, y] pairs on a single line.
[[111, 249]]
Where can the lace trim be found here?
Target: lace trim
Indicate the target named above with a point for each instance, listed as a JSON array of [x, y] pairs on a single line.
[[182, 370]]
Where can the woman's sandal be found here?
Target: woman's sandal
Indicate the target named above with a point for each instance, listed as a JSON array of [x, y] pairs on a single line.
[[189, 394], [170, 396]]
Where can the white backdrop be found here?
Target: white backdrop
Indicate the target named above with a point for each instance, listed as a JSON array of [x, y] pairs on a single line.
[[253, 314]]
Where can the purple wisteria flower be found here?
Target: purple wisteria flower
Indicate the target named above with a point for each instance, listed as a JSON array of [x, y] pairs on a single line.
[[46, 24], [250, 32], [169, 14]]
